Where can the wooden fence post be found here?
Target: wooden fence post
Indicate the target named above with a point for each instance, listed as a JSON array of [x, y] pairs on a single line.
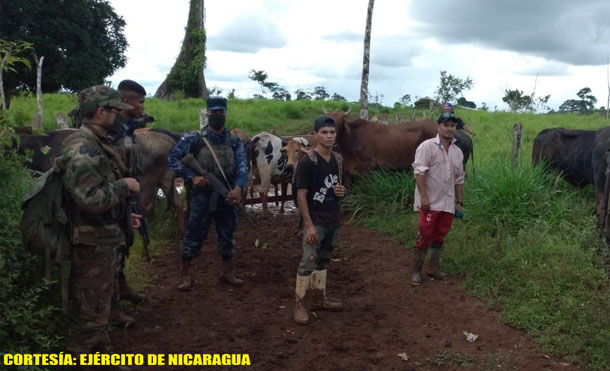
[[38, 123], [203, 118], [517, 131]]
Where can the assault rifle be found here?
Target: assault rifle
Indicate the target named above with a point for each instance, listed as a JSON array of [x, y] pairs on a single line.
[[220, 189]]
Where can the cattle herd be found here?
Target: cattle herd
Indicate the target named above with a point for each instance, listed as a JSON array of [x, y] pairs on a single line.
[[365, 145]]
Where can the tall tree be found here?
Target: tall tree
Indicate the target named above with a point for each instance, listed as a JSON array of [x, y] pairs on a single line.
[[587, 99], [364, 83], [450, 87], [517, 100], [186, 76], [82, 42], [259, 77]]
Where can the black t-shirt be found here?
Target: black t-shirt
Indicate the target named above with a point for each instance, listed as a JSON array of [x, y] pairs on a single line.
[[319, 179]]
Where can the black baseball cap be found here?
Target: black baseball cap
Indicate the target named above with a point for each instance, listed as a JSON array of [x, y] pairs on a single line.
[[447, 116], [322, 121]]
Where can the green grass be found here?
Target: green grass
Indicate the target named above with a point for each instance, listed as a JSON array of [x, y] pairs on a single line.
[[527, 245]]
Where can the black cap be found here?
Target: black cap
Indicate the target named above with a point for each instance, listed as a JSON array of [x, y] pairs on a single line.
[[215, 103], [322, 121], [446, 116]]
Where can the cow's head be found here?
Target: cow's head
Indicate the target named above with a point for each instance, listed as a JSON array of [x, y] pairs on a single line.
[[293, 151], [341, 120]]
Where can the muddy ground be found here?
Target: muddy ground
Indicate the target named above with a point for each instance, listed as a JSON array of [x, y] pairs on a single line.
[[370, 273]]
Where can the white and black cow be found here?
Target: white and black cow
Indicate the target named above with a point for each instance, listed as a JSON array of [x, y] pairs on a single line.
[[268, 166]]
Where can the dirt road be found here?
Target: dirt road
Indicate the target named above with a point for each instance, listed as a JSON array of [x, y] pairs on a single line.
[[384, 315]]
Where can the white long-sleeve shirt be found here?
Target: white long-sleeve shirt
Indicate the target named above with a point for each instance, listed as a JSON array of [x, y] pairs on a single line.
[[441, 170]]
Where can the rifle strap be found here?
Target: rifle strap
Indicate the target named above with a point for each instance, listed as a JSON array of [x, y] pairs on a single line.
[[217, 162]]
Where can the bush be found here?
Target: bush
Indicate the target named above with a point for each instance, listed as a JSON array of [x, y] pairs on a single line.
[[29, 321]]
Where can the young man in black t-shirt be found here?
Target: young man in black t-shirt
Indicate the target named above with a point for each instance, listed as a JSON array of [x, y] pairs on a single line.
[[319, 189]]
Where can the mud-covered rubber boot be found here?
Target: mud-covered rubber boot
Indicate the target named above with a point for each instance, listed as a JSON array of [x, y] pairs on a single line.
[[420, 257], [301, 316], [228, 274], [185, 276], [318, 286], [435, 262], [127, 293]]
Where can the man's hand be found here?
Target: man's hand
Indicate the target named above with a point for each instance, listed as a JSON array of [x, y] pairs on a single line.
[[339, 190], [200, 181], [234, 196], [425, 202], [132, 185], [135, 220], [311, 235]]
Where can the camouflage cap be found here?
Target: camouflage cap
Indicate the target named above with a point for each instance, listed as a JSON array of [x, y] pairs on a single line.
[[100, 96]]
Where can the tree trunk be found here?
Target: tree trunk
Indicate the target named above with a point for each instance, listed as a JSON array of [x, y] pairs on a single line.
[[608, 79], [364, 84], [2, 63], [38, 123], [186, 78]]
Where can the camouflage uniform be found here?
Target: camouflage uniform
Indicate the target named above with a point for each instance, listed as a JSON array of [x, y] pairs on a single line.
[[96, 199]]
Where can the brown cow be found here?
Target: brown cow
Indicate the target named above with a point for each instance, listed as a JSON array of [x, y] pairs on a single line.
[[366, 145], [155, 147], [241, 135]]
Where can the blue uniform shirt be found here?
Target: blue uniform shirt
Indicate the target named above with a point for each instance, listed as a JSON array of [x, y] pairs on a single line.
[[187, 144]]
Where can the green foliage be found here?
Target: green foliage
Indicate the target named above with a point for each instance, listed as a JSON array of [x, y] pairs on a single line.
[[319, 93], [82, 43], [516, 198], [185, 76], [259, 77], [29, 320], [585, 105], [517, 100], [9, 51], [450, 87], [463, 102]]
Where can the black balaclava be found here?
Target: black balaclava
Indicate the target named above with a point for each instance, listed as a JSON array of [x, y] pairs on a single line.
[[217, 122]]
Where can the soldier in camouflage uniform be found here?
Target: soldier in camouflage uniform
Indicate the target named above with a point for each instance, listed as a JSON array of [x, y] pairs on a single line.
[[232, 158], [96, 192], [124, 140]]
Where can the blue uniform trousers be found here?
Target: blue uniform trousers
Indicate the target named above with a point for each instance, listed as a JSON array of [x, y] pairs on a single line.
[[200, 219]]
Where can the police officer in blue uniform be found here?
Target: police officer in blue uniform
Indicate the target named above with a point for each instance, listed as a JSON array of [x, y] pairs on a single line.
[[231, 156]]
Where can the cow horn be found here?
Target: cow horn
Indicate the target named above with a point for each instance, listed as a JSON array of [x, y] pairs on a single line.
[[325, 110], [348, 111]]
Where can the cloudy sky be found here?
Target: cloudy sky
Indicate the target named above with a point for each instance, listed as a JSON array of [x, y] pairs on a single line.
[[556, 46]]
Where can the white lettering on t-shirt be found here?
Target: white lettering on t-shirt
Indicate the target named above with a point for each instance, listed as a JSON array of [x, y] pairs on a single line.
[[329, 182]]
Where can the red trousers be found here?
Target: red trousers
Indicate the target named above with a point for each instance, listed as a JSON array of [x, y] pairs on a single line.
[[433, 227]]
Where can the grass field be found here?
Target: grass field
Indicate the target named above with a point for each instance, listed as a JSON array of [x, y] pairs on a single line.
[[527, 245]]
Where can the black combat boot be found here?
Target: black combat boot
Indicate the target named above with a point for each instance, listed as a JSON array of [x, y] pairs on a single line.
[[435, 265], [420, 257], [185, 276], [228, 273], [127, 293]]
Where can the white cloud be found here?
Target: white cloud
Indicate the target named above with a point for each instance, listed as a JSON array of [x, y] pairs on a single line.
[[500, 45]]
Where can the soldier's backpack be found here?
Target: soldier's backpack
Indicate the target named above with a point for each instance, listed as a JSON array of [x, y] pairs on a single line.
[[314, 159], [44, 225]]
